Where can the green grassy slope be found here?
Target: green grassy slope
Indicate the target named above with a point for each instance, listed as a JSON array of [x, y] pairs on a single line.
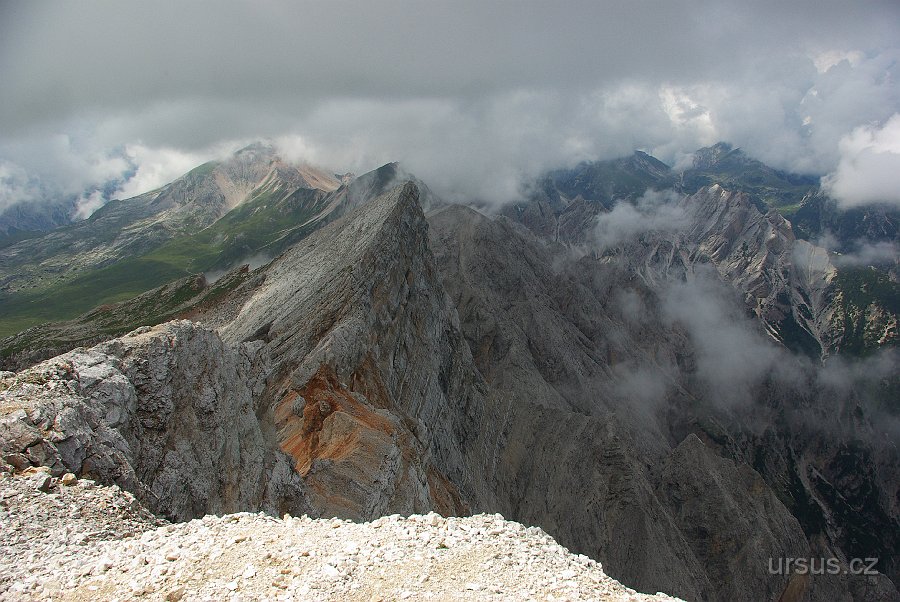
[[175, 299], [265, 224]]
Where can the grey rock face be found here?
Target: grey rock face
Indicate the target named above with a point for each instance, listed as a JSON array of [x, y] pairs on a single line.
[[362, 297], [784, 281], [389, 363], [588, 343], [168, 413], [716, 505], [195, 423]]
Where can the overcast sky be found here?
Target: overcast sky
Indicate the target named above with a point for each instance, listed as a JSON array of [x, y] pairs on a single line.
[[470, 96]]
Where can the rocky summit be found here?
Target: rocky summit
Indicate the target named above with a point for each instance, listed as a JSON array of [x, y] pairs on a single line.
[[96, 542], [640, 399]]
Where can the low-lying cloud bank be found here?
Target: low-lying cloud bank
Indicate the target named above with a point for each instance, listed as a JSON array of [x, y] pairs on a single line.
[[861, 252], [732, 355], [737, 364], [654, 211], [869, 167], [471, 97], [731, 359]]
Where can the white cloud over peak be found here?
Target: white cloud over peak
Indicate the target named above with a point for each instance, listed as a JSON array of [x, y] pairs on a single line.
[[470, 96], [655, 211], [869, 168], [158, 166]]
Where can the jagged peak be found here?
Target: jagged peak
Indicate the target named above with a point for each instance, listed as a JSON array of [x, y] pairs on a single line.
[[260, 146], [648, 159], [709, 156], [373, 229]]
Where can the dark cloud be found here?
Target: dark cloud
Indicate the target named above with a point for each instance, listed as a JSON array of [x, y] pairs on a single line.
[[470, 95]]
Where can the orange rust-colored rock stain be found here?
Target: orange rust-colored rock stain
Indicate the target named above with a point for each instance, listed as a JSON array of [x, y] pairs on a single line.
[[302, 436], [341, 445]]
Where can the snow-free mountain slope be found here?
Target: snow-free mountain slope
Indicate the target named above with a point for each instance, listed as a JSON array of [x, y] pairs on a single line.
[[220, 213], [626, 376]]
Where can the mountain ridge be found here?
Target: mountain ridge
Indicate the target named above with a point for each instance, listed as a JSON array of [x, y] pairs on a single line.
[[375, 357]]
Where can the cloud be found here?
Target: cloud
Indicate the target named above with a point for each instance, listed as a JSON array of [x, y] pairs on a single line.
[[157, 166], [470, 96], [630, 305], [641, 385], [655, 211], [830, 58], [60, 164], [869, 168], [15, 185], [252, 262], [869, 254], [732, 355], [88, 203], [865, 253], [841, 374], [78, 166], [713, 349], [860, 252]]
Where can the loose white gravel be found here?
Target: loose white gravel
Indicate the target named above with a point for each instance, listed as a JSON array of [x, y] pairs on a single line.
[[85, 542]]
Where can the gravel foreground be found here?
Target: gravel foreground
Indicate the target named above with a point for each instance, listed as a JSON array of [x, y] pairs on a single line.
[[80, 541]]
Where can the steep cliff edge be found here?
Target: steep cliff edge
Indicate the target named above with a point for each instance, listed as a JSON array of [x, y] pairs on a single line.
[[339, 386], [612, 357], [167, 413]]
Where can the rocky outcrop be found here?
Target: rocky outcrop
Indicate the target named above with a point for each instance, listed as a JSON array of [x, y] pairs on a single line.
[[181, 416], [168, 413], [363, 297], [356, 460]]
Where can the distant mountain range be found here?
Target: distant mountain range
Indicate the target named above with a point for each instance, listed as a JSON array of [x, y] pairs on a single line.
[[665, 379], [253, 206]]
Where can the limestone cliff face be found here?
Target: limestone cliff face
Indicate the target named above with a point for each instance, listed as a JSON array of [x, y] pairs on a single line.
[[339, 382], [785, 282], [168, 413], [362, 297], [582, 360]]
